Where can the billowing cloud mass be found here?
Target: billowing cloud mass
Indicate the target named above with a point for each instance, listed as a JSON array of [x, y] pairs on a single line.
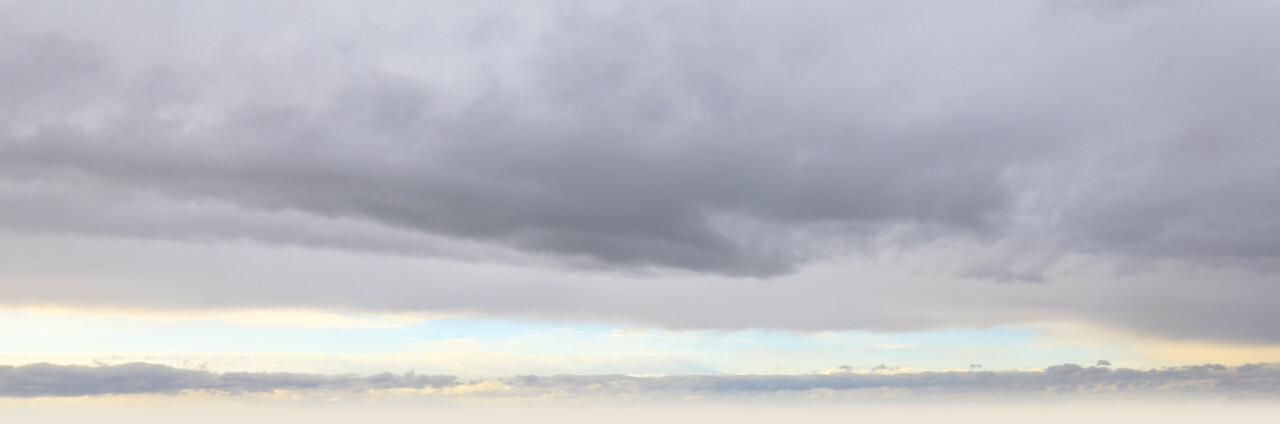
[[656, 162], [1254, 380]]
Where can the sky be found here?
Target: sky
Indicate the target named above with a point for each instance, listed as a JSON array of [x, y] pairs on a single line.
[[645, 202]]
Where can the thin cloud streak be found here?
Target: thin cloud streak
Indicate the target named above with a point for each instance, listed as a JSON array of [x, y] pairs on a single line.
[[37, 380]]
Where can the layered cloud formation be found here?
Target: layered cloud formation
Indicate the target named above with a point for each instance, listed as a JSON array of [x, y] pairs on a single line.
[[724, 165], [1254, 380], [133, 378]]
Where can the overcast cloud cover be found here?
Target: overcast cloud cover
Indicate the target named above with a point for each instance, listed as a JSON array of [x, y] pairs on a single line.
[[714, 165]]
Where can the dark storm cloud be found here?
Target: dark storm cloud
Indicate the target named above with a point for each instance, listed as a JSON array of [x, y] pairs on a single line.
[[718, 139], [38, 380], [44, 380]]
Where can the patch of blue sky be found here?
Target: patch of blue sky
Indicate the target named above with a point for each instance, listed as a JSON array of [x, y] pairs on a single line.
[[768, 351], [736, 352]]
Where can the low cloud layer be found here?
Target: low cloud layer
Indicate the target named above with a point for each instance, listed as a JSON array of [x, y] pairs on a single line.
[[1066, 379], [716, 141], [1250, 381], [77, 380]]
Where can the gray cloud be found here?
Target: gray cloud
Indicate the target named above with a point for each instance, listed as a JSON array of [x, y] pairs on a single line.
[[1254, 380], [720, 139], [617, 139], [37, 380], [1066, 379]]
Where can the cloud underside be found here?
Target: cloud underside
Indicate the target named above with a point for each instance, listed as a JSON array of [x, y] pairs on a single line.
[[1253, 381], [717, 140], [735, 140]]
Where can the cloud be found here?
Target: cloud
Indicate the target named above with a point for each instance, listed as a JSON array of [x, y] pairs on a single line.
[[736, 155], [1014, 142], [38, 380], [1059, 380], [47, 380]]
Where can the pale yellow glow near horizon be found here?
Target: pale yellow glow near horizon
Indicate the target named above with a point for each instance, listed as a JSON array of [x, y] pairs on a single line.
[[471, 357], [463, 363], [1159, 351]]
